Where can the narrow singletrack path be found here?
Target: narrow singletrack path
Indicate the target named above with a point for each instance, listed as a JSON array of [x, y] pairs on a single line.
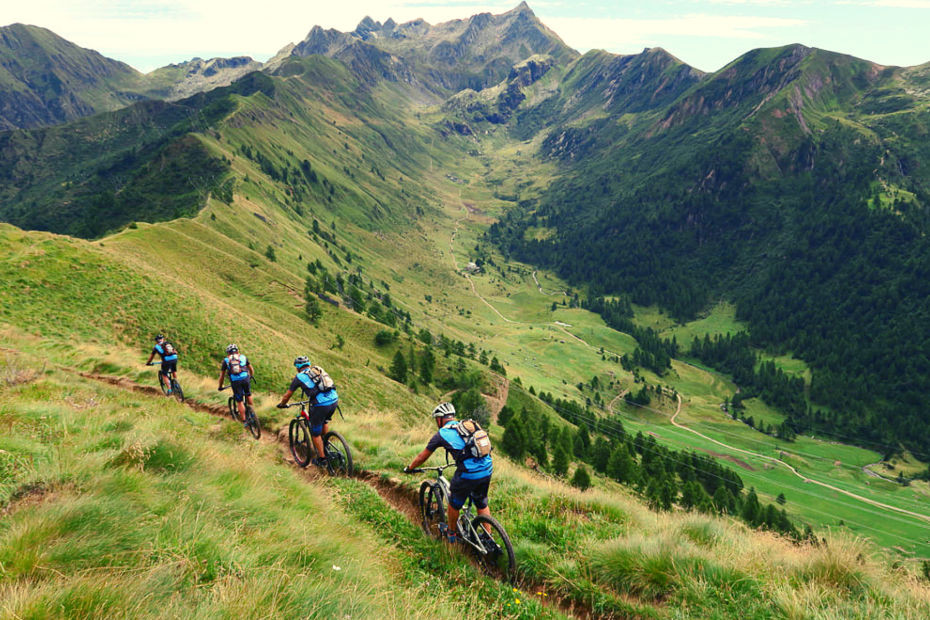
[[399, 497]]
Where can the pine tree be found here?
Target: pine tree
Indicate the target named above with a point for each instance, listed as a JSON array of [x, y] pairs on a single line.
[[600, 454], [398, 370], [582, 442], [560, 458], [620, 465], [313, 308], [752, 510], [505, 415], [514, 442], [427, 364], [581, 479]]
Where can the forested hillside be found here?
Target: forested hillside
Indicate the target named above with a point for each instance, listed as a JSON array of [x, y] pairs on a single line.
[[782, 183]]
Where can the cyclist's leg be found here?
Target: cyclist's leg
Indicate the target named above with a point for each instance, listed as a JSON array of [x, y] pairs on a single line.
[[319, 418], [479, 497], [239, 389]]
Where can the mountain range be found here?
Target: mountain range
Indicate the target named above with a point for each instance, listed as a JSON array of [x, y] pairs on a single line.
[[776, 182]]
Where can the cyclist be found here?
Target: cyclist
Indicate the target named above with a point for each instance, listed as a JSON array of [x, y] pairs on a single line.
[[472, 475], [323, 399], [240, 372], [169, 360]]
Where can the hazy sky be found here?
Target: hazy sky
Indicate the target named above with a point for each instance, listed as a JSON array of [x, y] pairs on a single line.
[[704, 33]]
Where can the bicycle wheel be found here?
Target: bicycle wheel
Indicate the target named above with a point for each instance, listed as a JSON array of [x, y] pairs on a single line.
[[232, 408], [496, 553], [252, 421], [161, 383], [176, 389], [338, 454], [301, 448], [432, 509]]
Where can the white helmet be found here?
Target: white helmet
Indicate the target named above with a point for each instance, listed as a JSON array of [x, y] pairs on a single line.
[[443, 409]]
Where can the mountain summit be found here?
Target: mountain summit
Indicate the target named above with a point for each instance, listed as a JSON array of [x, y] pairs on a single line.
[[465, 53], [45, 79]]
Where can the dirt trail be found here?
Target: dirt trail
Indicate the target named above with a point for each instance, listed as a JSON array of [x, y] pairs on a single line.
[[795, 471], [400, 497], [539, 286]]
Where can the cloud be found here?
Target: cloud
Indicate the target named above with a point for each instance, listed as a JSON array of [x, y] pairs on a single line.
[[622, 33], [890, 4]]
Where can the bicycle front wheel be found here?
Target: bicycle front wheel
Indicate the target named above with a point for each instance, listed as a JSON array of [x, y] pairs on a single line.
[[252, 421], [432, 509], [338, 454], [299, 436], [494, 550], [164, 383], [232, 408]]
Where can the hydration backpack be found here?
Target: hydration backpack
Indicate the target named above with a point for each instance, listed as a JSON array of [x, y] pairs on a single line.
[[321, 378], [169, 348], [234, 366], [477, 441]]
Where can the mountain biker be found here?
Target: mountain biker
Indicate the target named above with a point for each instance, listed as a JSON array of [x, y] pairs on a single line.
[[169, 360], [323, 400], [240, 372], [472, 475]]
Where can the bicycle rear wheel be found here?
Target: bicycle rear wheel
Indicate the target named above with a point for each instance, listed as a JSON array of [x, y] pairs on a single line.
[[252, 422], [432, 509], [338, 454], [301, 448], [496, 553]]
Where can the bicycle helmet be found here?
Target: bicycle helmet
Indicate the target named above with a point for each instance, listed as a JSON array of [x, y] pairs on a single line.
[[159, 337], [232, 348], [301, 361], [443, 410]]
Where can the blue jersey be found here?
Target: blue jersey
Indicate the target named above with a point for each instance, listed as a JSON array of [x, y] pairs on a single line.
[[469, 467], [312, 391], [165, 357], [243, 368]]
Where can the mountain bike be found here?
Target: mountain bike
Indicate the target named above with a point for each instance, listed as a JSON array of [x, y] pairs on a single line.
[[335, 447], [175, 389], [485, 537], [251, 421]]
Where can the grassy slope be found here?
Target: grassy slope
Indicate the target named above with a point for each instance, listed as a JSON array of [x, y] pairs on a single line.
[[93, 306]]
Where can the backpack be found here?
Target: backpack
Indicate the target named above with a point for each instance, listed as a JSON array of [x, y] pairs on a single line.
[[234, 366], [477, 441], [169, 348], [321, 378]]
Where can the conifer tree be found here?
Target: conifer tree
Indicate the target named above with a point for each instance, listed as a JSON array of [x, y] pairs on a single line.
[[560, 458], [581, 479], [398, 370], [514, 441], [620, 466]]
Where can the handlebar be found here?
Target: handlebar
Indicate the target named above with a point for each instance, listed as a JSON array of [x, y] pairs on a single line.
[[297, 404], [420, 470]]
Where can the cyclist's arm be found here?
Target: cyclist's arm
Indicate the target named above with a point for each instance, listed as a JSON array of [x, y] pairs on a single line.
[[151, 357], [420, 458], [222, 375], [250, 369], [286, 397]]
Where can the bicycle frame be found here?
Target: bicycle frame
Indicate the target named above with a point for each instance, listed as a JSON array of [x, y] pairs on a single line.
[[465, 525]]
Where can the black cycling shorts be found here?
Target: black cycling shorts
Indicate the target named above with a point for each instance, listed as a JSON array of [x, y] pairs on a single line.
[[463, 488], [171, 366], [241, 389], [320, 415]]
